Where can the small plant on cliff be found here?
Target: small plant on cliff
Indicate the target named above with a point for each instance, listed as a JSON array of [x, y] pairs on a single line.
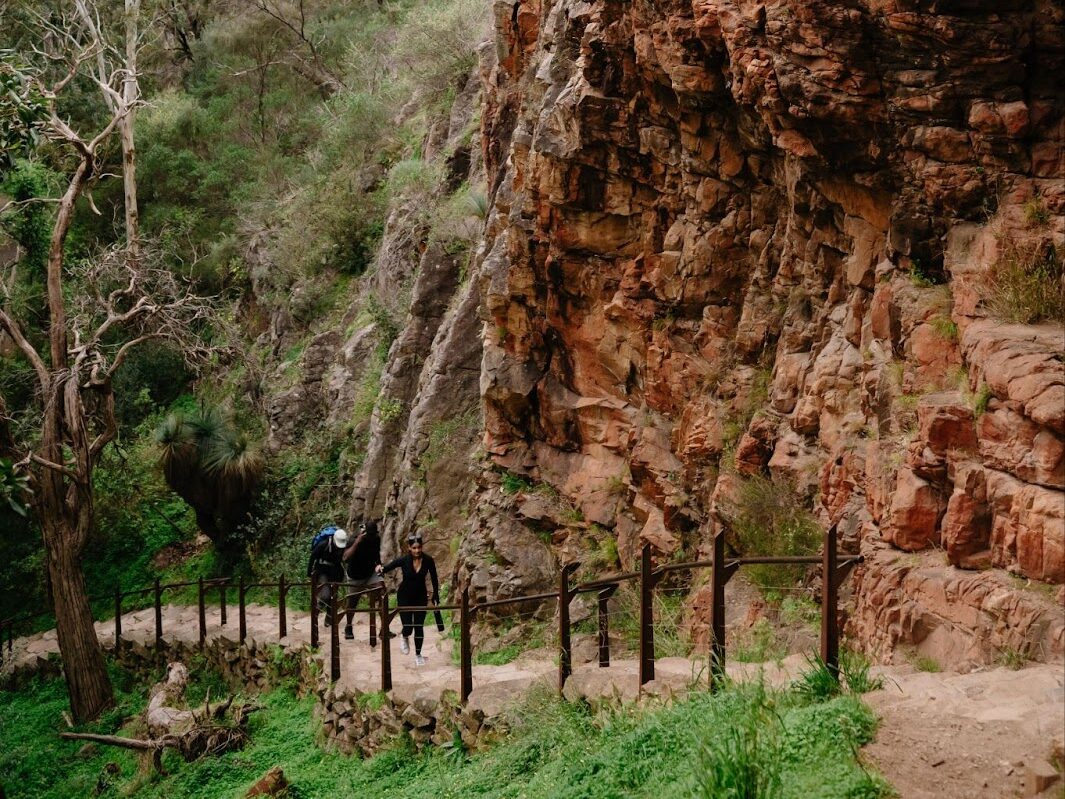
[[514, 484], [945, 327], [926, 663], [980, 399], [1026, 283], [1036, 214], [1012, 658], [921, 275]]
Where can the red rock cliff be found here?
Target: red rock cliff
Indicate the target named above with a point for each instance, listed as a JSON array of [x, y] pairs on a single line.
[[740, 237]]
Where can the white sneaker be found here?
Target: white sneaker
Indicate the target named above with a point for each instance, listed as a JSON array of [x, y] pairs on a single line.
[[419, 660], [404, 645]]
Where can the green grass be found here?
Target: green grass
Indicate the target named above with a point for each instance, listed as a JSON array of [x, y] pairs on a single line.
[[705, 745], [925, 663]]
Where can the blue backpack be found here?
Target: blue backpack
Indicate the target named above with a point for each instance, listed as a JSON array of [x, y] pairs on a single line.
[[324, 533]]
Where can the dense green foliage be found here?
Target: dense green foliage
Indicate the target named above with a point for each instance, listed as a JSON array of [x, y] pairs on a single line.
[[260, 184], [743, 737]]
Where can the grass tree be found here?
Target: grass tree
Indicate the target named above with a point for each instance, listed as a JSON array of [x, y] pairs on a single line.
[[214, 467], [98, 310]]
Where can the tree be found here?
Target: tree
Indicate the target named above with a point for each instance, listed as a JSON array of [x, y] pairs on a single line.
[[214, 468], [97, 312], [306, 58]]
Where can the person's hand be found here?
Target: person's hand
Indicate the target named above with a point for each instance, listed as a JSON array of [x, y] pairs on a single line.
[[379, 568]]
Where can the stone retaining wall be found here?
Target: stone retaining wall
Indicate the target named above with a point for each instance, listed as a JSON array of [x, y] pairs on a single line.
[[352, 720]]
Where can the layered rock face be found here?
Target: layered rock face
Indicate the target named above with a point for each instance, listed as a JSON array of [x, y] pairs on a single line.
[[732, 238]]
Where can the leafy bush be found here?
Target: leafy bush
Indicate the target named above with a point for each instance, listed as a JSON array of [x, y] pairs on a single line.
[[436, 48], [759, 644], [514, 484]]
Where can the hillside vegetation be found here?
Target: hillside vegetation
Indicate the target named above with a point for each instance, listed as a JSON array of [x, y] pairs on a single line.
[[275, 142]]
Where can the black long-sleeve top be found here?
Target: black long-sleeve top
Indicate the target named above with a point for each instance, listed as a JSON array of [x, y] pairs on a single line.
[[362, 560], [412, 587]]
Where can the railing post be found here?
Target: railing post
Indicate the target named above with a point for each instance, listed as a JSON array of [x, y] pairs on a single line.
[[118, 621], [158, 614], [565, 659], [314, 610], [334, 634], [647, 631], [372, 616], [465, 650], [282, 620], [222, 600], [242, 621], [829, 603], [386, 648], [201, 607], [717, 611], [604, 625]]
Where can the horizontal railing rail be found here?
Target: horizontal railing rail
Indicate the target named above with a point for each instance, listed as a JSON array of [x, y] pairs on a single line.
[[342, 599]]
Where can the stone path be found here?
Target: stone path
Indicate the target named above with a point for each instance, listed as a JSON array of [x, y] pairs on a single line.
[[952, 736]]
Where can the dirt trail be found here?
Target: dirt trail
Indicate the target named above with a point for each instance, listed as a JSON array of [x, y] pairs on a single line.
[[941, 736], [962, 736]]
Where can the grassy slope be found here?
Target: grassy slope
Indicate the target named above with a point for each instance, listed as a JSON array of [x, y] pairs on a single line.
[[556, 750]]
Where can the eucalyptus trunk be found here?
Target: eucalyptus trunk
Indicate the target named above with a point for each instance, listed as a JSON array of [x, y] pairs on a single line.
[[65, 509]]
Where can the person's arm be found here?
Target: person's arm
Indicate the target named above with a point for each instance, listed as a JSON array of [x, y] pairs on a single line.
[[313, 559], [390, 565], [352, 546], [436, 582]]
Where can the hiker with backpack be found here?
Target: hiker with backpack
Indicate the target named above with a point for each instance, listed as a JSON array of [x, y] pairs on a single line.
[[361, 560], [415, 566], [327, 564]]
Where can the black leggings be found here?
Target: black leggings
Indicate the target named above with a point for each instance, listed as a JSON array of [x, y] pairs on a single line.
[[414, 620]]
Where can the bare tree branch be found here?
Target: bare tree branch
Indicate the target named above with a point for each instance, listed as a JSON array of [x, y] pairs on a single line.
[[15, 331], [54, 466]]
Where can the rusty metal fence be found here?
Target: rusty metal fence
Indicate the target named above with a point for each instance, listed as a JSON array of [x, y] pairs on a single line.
[[722, 567]]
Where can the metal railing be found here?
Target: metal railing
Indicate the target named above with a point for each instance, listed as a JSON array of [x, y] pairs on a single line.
[[722, 566]]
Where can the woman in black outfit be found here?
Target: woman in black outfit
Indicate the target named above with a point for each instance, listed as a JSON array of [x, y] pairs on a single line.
[[414, 565]]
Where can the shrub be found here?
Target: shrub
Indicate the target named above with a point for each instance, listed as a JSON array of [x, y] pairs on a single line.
[[926, 663], [769, 518], [1026, 284], [436, 48], [1036, 214], [981, 398], [758, 644]]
